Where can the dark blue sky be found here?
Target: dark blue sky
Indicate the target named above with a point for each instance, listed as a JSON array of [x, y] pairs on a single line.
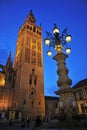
[[65, 13]]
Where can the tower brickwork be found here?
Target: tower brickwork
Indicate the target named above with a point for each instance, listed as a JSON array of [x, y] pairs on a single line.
[[28, 65]]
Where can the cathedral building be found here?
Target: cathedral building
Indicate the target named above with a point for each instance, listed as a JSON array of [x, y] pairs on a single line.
[[6, 85], [26, 79]]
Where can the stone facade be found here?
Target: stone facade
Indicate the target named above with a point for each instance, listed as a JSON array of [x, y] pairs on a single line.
[[51, 106], [6, 85], [28, 65], [80, 93]]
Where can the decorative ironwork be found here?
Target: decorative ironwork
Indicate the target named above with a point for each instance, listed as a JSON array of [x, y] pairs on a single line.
[[57, 41]]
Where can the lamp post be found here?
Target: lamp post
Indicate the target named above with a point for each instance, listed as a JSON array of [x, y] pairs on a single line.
[[59, 43]]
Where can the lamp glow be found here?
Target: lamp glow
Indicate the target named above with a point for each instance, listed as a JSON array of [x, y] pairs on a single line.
[[56, 30], [47, 41], [49, 53], [68, 50], [68, 38]]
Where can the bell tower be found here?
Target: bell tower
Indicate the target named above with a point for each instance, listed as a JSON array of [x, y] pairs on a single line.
[[28, 66]]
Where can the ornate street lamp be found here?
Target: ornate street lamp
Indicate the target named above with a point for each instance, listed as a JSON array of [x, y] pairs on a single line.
[[59, 43]]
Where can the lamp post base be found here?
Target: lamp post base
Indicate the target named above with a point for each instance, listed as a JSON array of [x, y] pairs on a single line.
[[67, 103]]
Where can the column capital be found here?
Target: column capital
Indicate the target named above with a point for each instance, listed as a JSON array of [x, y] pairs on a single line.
[[60, 56]]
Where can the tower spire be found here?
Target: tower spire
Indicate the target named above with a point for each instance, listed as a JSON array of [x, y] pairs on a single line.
[[31, 18], [9, 59]]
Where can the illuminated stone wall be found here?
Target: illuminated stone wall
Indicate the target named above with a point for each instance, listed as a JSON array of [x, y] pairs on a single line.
[[80, 93], [28, 65], [2, 79]]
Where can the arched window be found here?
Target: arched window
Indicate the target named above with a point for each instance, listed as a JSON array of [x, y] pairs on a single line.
[[30, 79], [35, 80], [27, 26], [34, 29], [32, 93]]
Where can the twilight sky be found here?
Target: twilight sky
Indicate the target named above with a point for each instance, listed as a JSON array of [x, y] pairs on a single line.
[[65, 13]]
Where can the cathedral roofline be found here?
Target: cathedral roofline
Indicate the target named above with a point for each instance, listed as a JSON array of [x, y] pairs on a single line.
[[51, 97], [80, 84]]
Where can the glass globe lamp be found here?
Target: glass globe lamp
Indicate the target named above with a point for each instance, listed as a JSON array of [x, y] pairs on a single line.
[[47, 41], [56, 30], [68, 50], [49, 53], [68, 38]]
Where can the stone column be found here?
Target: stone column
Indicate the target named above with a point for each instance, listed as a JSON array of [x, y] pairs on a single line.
[[64, 82]]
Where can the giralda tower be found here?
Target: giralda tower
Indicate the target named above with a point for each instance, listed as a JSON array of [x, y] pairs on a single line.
[[28, 65]]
